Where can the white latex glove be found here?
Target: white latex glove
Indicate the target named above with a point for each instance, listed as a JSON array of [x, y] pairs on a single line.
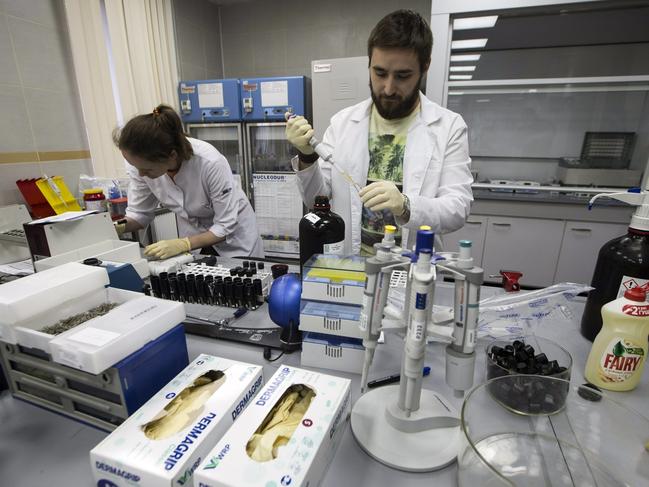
[[383, 195], [168, 248], [298, 133]]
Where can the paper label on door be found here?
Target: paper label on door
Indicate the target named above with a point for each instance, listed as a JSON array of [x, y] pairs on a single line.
[[334, 248]]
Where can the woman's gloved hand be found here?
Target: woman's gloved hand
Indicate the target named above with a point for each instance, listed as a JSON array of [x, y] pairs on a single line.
[[383, 195], [165, 249], [298, 133]]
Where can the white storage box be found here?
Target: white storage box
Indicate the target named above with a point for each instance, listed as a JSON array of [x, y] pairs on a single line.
[[106, 250], [29, 304], [330, 277], [101, 342], [29, 333], [40, 293], [334, 319], [331, 352], [300, 461], [165, 440]]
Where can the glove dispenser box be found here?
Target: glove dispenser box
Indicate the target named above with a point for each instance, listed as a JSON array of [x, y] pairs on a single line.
[[287, 436], [163, 442]]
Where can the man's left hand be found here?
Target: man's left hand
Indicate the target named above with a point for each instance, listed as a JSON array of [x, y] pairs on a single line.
[[165, 249], [383, 195]]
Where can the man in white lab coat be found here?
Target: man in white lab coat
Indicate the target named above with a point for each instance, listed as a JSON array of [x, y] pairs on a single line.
[[190, 178], [409, 154]]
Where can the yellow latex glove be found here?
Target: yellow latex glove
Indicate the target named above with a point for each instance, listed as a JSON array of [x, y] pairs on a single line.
[[120, 228], [298, 133], [264, 444], [383, 195], [168, 248]]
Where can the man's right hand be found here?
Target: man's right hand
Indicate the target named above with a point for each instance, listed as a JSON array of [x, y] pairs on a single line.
[[298, 133]]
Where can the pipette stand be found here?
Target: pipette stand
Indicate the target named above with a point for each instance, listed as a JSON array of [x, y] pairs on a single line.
[[428, 438]]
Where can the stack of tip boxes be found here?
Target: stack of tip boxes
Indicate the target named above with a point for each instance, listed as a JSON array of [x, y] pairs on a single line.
[[287, 436], [332, 293], [164, 442]]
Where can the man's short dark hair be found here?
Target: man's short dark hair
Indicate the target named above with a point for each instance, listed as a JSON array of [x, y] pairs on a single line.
[[403, 29]]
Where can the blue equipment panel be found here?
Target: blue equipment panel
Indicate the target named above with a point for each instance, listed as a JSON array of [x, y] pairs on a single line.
[[210, 100], [267, 99]]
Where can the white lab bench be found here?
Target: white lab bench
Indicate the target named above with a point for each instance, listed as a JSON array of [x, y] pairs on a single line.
[[38, 447]]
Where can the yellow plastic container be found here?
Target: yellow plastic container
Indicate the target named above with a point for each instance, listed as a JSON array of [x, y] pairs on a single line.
[[619, 352], [57, 194]]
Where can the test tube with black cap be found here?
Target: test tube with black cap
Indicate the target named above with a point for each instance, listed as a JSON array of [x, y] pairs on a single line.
[[250, 273], [173, 289], [246, 264], [218, 291], [164, 285], [191, 288], [260, 266], [228, 293], [253, 266], [209, 291], [234, 271], [238, 294], [182, 286], [249, 296], [155, 285], [259, 291], [200, 290]]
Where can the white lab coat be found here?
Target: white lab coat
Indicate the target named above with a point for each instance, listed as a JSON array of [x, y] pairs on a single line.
[[436, 171], [204, 196]]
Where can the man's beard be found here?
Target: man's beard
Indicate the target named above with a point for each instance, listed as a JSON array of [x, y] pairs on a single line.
[[402, 108]]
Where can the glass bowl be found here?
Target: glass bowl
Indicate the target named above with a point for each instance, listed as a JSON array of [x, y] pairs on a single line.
[[591, 441], [526, 394]]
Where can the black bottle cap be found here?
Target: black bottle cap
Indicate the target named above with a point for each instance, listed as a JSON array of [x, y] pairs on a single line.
[[233, 271], [94, 261], [253, 266], [246, 264], [260, 265], [181, 276], [146, 289]]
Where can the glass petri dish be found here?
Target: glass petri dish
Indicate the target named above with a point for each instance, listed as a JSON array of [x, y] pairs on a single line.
[[592, 440]]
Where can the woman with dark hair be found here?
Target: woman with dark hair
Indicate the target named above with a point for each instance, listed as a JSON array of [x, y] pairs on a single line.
[[192, 179]]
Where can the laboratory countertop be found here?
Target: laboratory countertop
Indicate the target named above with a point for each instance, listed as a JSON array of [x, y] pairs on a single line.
[[39, 447], [550, 195]]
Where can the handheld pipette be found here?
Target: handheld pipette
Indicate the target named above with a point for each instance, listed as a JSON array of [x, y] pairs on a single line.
[[327, 156]]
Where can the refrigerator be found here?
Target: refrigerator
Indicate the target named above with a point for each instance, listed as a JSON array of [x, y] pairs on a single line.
[[211, 111], [274, 193]]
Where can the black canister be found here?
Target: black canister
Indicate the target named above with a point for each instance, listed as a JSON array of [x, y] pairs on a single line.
[[622, 263], [321, 231]]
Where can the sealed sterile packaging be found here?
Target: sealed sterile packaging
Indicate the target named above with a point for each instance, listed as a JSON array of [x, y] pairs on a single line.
[[287, 436], [164, 441], [512, 315]]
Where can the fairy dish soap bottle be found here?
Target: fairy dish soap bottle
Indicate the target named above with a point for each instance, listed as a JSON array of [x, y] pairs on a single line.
[[321, 231], [620, 349], [622, 263]]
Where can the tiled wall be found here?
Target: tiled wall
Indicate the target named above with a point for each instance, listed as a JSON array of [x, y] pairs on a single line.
[[198, 40], [274, 37], [41, 124]]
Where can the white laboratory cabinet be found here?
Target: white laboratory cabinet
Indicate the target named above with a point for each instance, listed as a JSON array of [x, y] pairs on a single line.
[[580, 247], [530, 246]]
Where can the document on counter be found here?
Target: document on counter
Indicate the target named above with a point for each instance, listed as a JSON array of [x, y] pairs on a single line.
[[23, 267]]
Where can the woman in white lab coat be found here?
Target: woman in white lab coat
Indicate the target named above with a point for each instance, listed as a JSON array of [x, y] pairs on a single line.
[[190, 178]]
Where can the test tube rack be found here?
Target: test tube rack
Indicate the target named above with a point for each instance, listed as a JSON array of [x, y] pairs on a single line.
[[244, 286]]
